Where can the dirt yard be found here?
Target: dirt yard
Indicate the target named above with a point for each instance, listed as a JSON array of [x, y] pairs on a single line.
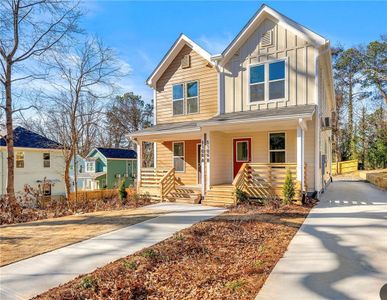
[[20, 241], [228, 257]]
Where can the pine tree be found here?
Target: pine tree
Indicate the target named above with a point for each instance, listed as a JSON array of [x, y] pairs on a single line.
[[288, 189], [122, 191]]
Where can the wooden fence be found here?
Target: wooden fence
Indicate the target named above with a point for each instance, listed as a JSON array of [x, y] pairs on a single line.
[[344, 167], [97, 194]]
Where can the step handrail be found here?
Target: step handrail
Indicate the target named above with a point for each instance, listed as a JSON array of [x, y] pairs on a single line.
[[167, 183]]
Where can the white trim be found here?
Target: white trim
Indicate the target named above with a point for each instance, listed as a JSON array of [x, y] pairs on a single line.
[[268, 147], [232, 152], [155, 155], [208, 162], [173, 131], [173, 155], [267, 12], [267, 81], [178, 99], [248, 151], [24, 159], [154, 107], [33, 149], [317, 158], [171, 54], [301, 156], [197, 97], [197, 162]]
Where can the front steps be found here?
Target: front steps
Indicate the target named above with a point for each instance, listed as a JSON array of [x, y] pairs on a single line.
[[220, 195], [185, 194]]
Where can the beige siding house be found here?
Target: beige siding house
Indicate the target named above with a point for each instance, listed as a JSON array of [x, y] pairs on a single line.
[[240, 119]]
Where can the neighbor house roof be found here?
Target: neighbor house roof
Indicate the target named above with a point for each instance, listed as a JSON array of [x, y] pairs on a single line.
[[263, 13], [117, 153], [181, 41], [281, 113], [24, 138]]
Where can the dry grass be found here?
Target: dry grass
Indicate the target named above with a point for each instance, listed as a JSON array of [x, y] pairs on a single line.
[[20, 241], [228, 257]]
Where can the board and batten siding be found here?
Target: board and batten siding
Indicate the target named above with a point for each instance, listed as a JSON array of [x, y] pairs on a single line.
[[300, 69], [165, 157], [199, 70]]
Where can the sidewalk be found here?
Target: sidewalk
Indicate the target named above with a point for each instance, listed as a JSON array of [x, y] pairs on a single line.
[[27, 278]]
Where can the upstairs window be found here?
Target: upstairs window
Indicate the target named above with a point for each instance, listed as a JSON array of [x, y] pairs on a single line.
[[185, 98], [277, 150], [178, 156], [90, 166], [46, 160], [267, 81], [19, 159], [178, 99]]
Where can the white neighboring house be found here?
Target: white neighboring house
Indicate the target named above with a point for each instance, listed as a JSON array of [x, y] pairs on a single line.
[[37, 160]]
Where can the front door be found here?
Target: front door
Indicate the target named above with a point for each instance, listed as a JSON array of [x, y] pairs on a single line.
[[241, 153]]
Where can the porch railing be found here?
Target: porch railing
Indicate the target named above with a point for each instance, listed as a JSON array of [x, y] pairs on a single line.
[[266, 180], [151, 176], [167, 183]]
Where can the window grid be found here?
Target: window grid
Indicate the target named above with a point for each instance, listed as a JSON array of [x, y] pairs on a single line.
[[185, 99], [180, 158], [19, 159]]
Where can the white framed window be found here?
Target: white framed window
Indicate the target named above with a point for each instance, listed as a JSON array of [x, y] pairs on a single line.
[[242, 151], [192, 92], [46, 160], [277, 147], [90, 166], [178, 99], [267, 81], [19, 159], [178, 156], [185, 98]]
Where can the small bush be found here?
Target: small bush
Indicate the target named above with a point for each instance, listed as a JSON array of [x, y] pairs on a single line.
[[131, 265], [235, 284], [122, 191], [149, 253], [288, 189], [88, 283], [258, 263], [241, 196]]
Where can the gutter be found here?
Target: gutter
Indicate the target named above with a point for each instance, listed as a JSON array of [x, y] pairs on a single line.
[[133, 135]]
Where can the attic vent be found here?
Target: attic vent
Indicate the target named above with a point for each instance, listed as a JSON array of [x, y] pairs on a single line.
[[267, 38], [186, 61]]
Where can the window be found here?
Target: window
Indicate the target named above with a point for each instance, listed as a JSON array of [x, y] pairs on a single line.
[[178, 99], [267, 81], [185, 98], [242, 151], [46, 160], [90, 166], [277, 147], [178, 156], [192, 97], [19, 159]]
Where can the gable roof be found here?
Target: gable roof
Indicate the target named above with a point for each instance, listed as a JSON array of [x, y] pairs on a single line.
[[25, 138], [117, 153], [181, 41], [263, 13]]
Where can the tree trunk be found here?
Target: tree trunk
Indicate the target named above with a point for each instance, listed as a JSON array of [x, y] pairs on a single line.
[[10, 143], [67, 174]]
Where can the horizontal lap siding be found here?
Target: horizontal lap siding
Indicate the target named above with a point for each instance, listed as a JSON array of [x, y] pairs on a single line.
[[199, 70], [301, 69], [165, 157]]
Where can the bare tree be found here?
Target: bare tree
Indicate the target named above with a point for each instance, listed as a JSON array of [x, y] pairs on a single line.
[[85, 78], [28, 29]]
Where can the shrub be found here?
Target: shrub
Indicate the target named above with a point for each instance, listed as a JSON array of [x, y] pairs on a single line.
[[122, 191], [88, 283], [288, 189], [132, 265], [235, 284], [149, 253], [241, 196]]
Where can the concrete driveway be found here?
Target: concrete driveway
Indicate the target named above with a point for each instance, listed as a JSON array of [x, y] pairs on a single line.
[[29, 277], [340, 252]]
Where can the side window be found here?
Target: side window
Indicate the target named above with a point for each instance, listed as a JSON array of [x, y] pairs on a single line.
[[178, 99], [277, 152], [277, 80], [46, 160], [257, 83], [192, 97], [19, 159], [178, 156]]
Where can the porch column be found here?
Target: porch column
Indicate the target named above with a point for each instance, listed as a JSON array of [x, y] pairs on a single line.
[[300, 152], [202, 164], [208, 160], [139, 162]]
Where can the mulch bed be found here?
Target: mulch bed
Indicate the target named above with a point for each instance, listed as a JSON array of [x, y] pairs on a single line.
[[228, 257]]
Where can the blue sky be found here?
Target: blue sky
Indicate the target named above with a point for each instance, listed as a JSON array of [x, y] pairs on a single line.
[[142, 32]]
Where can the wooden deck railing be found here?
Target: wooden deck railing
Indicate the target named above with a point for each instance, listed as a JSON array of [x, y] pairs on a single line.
[[266, 180], [167, 183], [151, 176]]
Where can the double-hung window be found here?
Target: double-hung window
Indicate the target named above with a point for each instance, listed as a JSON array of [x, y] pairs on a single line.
[[46, 160], [277, 148], [267, 81], [185, 98], [178, 99], [19, 159], [178, 156], [90, 166]]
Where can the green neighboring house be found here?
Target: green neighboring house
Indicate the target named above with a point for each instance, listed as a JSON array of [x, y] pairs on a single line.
[[106, 167]]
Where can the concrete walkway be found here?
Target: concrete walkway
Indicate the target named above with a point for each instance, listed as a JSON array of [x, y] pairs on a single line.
[[27, 278], [340, 252]]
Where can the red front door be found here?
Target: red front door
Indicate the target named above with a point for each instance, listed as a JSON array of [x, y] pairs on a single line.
[[241, 153]]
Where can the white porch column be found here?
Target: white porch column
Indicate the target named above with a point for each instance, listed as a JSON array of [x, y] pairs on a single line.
[[300, 152], [202, 164], [139, 162], [208, 160]]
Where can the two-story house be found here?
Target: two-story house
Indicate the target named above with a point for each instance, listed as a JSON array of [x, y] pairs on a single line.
[[240, 119], [106, 167]]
